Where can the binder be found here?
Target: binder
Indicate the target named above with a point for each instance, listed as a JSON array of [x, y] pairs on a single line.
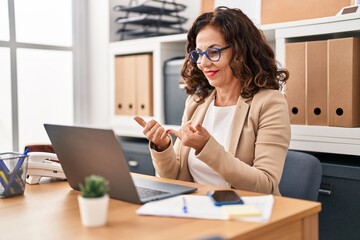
[[206, 6], [344, 82], [295, 86], [316, 83], [125, 85], [133, 85], [144, 73]]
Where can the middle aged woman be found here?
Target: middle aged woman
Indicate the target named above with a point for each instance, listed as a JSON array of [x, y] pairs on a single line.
[[235, 128]]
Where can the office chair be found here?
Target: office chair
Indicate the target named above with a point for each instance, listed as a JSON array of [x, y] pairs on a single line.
[[301, 177]]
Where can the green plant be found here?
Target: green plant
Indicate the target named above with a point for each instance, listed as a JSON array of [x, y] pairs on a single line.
[[94, 186]]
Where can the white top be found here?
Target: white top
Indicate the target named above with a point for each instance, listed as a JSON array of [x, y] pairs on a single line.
[[217, 121]]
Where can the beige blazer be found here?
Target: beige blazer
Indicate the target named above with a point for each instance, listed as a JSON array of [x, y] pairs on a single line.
[[259, 140]]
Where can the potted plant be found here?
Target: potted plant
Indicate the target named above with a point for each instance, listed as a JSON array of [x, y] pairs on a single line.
[[94, 201]]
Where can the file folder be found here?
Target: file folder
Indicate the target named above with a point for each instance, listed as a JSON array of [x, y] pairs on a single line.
[[144, 78], [125, 85], [316, 83], [295, 86], [344, 82]]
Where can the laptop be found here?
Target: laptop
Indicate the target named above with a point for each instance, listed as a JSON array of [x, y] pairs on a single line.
[[84, 151]]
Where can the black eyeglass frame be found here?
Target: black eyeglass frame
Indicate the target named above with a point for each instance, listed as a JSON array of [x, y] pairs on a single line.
[[202, 53]]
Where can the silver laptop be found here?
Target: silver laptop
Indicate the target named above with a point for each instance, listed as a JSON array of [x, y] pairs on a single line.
[[83, 151]]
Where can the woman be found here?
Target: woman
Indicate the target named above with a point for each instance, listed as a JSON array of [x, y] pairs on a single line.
[[235, 129]]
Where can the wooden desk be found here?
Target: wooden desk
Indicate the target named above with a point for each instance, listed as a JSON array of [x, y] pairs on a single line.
[[50, 211]]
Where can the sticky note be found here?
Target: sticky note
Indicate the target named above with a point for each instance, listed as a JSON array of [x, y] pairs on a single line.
[[241, 210]]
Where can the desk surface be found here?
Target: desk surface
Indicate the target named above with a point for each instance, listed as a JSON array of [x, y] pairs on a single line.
[[50, 211]]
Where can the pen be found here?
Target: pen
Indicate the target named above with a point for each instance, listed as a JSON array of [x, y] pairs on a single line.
[[185, 209], [3, 166], [3, 173], [4, 181]]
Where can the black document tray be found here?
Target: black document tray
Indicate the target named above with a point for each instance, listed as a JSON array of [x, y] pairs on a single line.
[[148, 20], [157, 7], [149, 32]]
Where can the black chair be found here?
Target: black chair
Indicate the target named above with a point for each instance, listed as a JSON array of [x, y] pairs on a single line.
[[301, 176]]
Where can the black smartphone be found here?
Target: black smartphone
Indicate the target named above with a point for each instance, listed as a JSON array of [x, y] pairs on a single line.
[[225, 197]]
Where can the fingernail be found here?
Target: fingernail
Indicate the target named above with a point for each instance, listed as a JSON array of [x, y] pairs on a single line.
[[167, 131]]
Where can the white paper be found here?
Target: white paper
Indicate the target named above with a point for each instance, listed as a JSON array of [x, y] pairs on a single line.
[[202, 207]]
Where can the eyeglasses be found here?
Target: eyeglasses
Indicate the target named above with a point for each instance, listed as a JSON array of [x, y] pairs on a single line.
[[213, 54]]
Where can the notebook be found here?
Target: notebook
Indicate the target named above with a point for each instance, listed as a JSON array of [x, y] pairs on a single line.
[[83, 151]]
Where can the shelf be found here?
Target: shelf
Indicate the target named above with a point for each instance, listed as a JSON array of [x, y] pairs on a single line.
[[325, 139], [162, 49]]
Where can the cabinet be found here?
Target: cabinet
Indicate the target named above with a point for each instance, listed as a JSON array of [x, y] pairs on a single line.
[[137, 154], [339, 216], [340, 140], [339, 196]]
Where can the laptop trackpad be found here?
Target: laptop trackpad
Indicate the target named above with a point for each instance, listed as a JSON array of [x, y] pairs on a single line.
[[156, 185], [165, 189]]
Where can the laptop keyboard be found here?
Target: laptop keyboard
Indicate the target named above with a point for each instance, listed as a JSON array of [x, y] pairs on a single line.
[[146, 192]]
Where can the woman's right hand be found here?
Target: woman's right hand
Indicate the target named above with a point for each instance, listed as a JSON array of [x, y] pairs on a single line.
[[155, 133]]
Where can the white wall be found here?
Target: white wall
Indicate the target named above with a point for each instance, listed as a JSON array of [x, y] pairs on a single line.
[[98, 66]]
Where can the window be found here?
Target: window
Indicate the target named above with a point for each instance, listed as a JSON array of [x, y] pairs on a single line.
[[37, 56], [4, 21], [45, 91], [44, 22], [5, 100]]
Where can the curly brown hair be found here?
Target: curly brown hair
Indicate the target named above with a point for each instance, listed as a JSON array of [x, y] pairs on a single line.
[[253, 61]]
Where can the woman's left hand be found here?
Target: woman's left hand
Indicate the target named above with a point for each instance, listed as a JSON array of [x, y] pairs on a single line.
[[192, 136]]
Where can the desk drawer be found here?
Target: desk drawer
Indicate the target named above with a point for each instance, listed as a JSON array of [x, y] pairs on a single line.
[[137, 155]]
